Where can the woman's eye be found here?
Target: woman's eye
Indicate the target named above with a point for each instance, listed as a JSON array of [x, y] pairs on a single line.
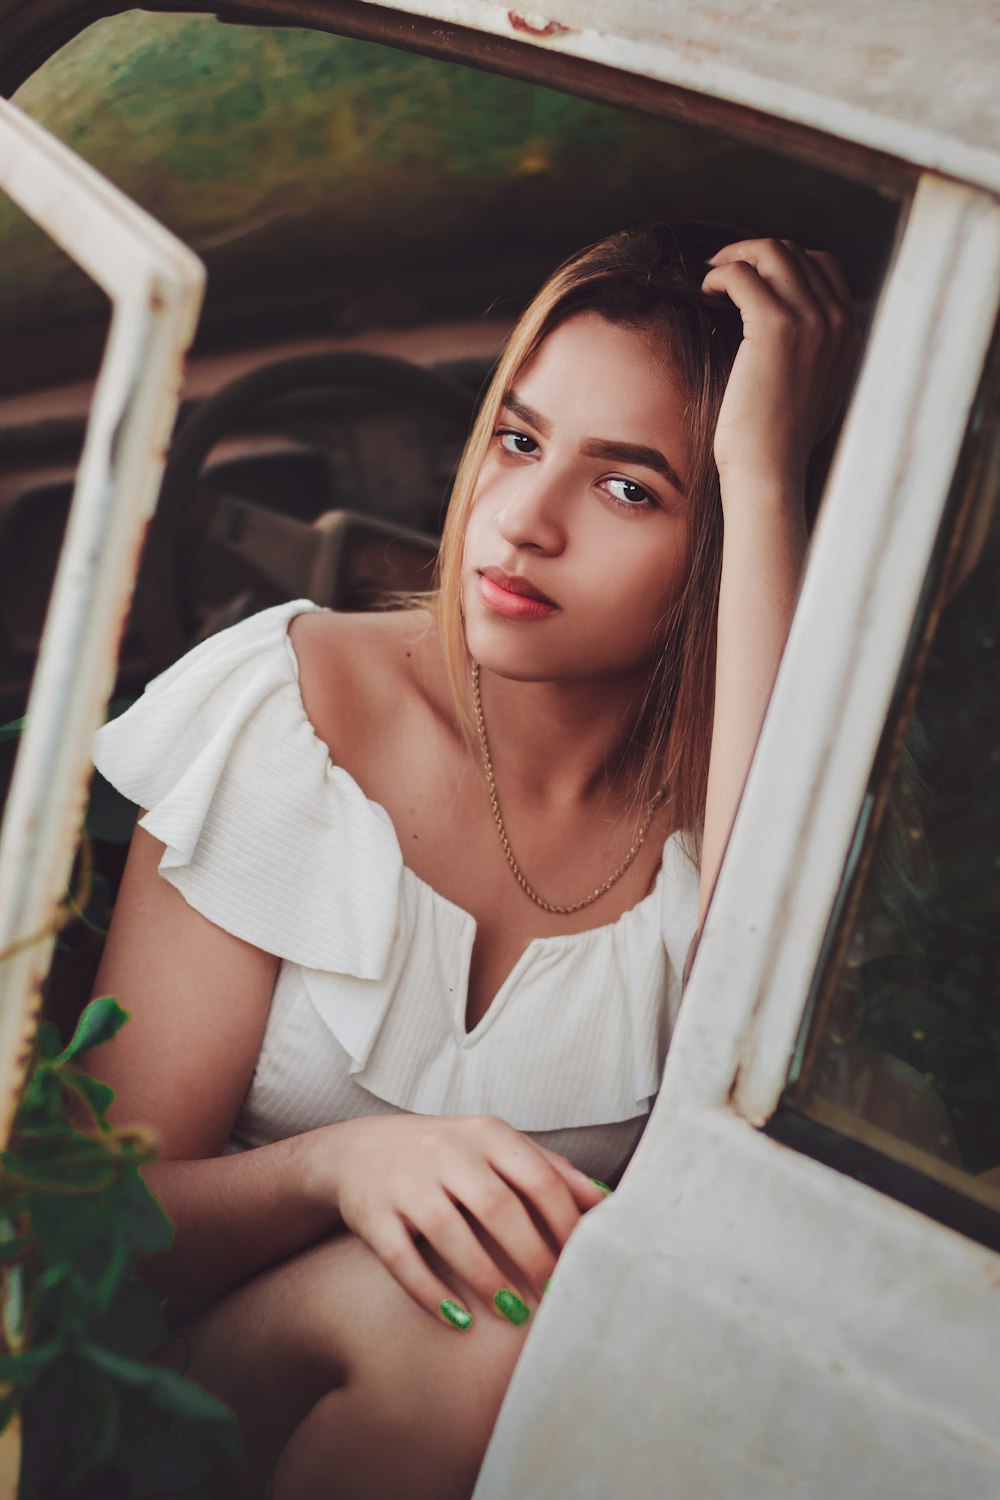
[[516, 442], [626, 492]]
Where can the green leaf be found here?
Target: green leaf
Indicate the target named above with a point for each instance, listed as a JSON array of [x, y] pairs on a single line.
[[117, 1265], [169, 1392], [71, 1172], [47, 1041], [149, 1227], [41, 1107], [13, 730], [24, 1368], [98, 1023], [133, 1325], [96, 1095], [103, 1428]]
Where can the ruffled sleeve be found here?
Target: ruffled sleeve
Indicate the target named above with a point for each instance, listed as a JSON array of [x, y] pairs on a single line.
[[263, 835]]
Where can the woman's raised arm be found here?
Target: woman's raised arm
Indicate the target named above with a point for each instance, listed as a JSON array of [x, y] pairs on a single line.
[[800, 342]]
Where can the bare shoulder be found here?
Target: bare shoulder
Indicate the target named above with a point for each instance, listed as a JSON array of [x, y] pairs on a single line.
[[361, 673]]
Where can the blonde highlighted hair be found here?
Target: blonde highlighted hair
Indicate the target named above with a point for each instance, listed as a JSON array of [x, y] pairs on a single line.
[[646, 279]]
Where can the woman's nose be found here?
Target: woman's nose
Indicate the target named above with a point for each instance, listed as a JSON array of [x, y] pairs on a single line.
[[534, 514]]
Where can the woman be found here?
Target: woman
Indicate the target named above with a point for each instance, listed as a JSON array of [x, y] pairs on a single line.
[[385, 1043]]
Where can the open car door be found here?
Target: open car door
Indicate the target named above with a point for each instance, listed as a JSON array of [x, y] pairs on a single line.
[[155, 287]]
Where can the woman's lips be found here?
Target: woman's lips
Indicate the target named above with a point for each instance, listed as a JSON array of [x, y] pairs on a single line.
[[506, 595]]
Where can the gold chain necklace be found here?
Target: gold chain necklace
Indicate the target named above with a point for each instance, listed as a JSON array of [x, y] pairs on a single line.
[[563, 911]]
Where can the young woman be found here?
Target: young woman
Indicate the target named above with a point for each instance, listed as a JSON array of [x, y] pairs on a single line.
[[403, 929]]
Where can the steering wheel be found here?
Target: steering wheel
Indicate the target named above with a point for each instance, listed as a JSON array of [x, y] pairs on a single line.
[[278, 554]]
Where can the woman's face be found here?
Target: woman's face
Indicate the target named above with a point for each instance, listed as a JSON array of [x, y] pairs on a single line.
[[581, 501]]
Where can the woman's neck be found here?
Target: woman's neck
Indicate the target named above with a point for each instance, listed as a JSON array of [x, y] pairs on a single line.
[[556, 744]]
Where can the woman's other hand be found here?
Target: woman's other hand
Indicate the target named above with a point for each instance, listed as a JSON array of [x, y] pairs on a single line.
[[791, 372], [395, 1177]]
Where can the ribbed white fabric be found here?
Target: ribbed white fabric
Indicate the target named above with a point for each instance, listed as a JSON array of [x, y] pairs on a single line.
[[269, 840]]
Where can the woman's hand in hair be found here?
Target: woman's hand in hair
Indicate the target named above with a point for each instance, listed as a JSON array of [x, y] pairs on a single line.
[[495, 1207], [791, 372]]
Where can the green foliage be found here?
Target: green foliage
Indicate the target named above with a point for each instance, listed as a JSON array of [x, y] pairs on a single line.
[[74, 1216]]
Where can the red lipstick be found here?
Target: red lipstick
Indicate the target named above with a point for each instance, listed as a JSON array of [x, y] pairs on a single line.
[[512, 596]]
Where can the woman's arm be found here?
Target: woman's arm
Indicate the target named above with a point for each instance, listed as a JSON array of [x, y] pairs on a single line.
[[800, 340], [198, 1000]]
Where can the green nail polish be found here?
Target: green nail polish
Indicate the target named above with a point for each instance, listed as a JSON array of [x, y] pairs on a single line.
[[512, 1308], [457, 1315], [602, 1185]]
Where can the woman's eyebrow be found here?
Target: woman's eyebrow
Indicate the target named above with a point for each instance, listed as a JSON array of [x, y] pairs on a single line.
[[633, 453], [622, 452], [513, 402]]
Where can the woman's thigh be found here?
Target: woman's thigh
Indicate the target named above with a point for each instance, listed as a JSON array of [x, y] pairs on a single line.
[[332, 1317]]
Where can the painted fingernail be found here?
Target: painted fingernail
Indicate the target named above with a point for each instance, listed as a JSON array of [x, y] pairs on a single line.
[[457, 1315], [546, 1284], [603, 1186], [510, 1306]]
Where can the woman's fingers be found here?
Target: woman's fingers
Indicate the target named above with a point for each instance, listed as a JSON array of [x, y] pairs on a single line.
[[780, 269], [503, 1214], [557, 1189], [805, 280], [791, 372], [487, 1202], [393, 1244], [757, 300], [834, 273], [482, 1256], [585, 1191]]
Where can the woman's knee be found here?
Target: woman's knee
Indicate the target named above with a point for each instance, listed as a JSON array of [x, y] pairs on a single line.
[[333, 1320]]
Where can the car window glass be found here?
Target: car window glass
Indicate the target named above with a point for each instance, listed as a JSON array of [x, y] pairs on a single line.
[[903, 1052]]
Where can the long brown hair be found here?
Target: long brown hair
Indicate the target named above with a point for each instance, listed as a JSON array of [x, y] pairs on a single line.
[[648, 279]]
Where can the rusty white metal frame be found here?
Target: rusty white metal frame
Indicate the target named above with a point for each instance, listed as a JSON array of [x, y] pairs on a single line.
[[761, 56], [155, 286], [740, 1319]]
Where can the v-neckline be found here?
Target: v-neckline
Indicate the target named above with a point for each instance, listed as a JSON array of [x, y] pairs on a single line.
[[470, 929]]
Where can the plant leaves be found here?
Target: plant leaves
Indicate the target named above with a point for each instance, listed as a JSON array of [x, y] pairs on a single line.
[[96, 1095], [98, 1023], [133, 1325], [13, 730], [150, 1227], [104, 1426], [25, 1368], [47, 1041], [169, 1392]]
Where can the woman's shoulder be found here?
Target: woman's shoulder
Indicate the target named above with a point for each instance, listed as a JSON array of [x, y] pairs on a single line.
[[363, 674], [260, 832]]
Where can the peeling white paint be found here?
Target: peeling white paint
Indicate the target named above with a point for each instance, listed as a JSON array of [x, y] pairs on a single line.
[[155, 286]]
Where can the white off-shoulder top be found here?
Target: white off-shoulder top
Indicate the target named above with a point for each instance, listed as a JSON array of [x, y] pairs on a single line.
[[272, 842]]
